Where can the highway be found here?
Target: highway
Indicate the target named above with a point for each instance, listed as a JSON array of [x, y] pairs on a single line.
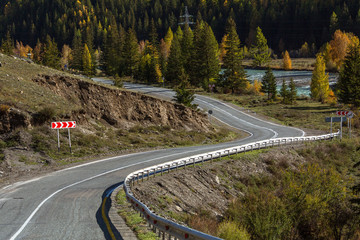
[[66, 204]]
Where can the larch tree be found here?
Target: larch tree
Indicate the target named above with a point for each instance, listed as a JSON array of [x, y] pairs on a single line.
[[287, 61], [349, 81], [339, 45], [234, 74], [319, 85], [87, 61], [260, 50], [268, 84], [66, 56]]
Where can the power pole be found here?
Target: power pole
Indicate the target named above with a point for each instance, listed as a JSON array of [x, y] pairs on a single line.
[[186, 18]]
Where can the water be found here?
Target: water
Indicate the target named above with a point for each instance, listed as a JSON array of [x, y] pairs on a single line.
[[302, 79]]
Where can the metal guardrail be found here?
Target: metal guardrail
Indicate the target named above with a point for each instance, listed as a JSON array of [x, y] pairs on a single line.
[[172, 230]]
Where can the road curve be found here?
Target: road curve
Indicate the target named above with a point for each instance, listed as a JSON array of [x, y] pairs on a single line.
[[66, 204]]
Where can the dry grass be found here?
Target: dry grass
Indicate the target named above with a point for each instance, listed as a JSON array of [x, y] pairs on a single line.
[[297, 63]]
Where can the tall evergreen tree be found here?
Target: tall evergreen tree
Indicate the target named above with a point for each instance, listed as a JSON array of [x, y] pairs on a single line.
[[292, 91], [112, 54], [260, 51], [77, 51], [269, 84], [208, 57], [175, 66], [51, 53], [131, 53], [7, 45], [284, 92], [349, 82], [186, 48], [319, 85], [184, 95], [234, 74]]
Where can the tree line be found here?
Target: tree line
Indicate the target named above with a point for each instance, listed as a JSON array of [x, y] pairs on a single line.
[[287, 24]]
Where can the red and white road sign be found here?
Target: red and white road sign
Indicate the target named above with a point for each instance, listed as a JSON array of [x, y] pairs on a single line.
[[59, 125], [342, 113]]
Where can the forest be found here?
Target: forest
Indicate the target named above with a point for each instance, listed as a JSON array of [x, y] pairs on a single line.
[[287, 23]]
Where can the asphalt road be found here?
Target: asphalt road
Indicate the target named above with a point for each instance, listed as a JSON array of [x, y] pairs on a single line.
[[67, 204]]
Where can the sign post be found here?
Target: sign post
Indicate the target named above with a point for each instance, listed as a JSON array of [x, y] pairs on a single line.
[[210, 112], [63, 125], [350, 115]]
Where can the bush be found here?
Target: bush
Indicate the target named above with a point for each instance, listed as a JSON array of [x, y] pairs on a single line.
[[44, 115], [4, 108], [231, 231]]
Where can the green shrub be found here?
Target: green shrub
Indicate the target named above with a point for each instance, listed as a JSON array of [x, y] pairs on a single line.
[[229, 230], [43, 115]]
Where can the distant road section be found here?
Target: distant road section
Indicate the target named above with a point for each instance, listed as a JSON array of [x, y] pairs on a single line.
[[67, 204]]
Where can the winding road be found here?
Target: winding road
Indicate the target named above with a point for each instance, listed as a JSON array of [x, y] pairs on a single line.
[[66, 204]]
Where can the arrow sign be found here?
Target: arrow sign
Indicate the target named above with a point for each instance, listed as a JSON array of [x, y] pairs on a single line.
[[342, 113], [61, 125]]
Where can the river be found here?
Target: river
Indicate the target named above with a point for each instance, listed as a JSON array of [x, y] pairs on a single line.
[[302, 79]]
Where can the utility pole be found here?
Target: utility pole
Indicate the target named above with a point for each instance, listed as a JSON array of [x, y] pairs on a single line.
[[186, 18]]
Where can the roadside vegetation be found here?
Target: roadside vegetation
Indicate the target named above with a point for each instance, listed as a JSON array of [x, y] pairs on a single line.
[[293, 192]]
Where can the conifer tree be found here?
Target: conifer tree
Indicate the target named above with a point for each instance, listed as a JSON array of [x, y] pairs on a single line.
[[260, 51], [131, 51], [87, 61], [234, 74], [7, 45], [51, 53], [175, 65], [208, 57], [183, 95], [77, 51], [284, 92], [319, 86], [186, 48], [269, 84], [287, 61], [292, 91], [349, 81]]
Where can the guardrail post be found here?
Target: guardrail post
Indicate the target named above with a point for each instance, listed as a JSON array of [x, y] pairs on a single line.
[[184, 164], [142, 177], [252, 147], [202, 159], [137, 178], [161, 170], [177, 165], [168, 168], [228, 153], [193, 162], [219, 155], [211, 159]]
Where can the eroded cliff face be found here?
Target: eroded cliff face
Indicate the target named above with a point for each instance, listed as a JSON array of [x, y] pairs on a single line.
[[121, 108]]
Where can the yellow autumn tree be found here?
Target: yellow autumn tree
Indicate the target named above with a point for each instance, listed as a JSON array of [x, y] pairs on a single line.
[[287, 61], [320, 81], [86, 61], [66, 56], [339, 45], [222, 47]]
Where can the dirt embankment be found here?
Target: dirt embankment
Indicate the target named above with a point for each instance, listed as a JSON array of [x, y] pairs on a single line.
[[118, 108]]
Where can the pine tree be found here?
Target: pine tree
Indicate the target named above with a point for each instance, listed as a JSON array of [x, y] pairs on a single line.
[[174, 65], [77, 51], [131, 52], [186, 48], [183, 95], [349, 81], [319, 86], [260, 51], [334, 23], [234, 74], [269, 84], [292, 91], [284, 92], [51, 53], [7, 45], [210, 64], [87, 61], [287, 61]]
